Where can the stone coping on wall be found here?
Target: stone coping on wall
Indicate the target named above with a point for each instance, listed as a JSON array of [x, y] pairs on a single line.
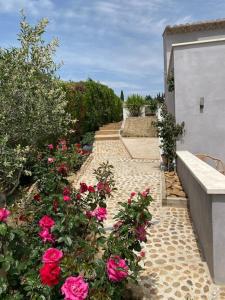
[[209, 178]]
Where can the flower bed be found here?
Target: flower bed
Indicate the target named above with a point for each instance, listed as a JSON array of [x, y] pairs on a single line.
[[60, 250]]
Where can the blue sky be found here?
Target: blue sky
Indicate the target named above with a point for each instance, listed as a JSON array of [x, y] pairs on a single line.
[[118, 42]]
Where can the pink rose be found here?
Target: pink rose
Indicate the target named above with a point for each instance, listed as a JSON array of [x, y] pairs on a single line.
[[52, 255], [51, 160], [132, 194], [145, 193], [83, 187], [46, 222], [66, 198], [141, 233], [117, 269], [62, 145], [4, 213], [50, 147], [100, 213], [129, 201], [75, 288], [46, 236]]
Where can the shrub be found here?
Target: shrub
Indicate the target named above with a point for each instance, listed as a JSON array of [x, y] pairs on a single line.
[[134, 104], [32, 102], [92, 104], [59, 247], [152, 105], [169, 132]]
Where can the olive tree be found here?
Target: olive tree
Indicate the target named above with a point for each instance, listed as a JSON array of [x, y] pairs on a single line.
[[32, 101]]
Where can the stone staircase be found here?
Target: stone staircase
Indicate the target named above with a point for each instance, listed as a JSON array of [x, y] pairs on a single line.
[[108, 132]]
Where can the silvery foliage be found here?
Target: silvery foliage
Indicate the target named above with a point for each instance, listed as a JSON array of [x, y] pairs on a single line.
[[32, 101]]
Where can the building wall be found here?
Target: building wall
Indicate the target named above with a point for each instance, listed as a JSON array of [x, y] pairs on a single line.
[[200, 72], [169, 39]]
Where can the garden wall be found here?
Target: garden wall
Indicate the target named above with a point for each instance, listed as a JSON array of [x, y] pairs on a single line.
[[205, 188], [139, 127]]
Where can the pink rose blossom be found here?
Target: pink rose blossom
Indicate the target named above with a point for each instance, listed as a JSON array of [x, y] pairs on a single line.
[[75, 288], [100, 213], [145, 193], [129, 201], [132, 194], [4, 213], [51, 160], [46, 236], [50, 147], [46, 222], [117, 268], [141, 233], [66, 198], [52, 255]]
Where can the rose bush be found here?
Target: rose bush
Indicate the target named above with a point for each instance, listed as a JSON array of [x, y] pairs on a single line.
[[60, 249]]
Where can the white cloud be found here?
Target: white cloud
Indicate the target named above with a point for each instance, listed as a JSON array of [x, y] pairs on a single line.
[[33, 7]]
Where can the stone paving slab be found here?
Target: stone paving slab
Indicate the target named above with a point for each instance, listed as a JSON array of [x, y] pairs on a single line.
[[147, 148], [174, 266]]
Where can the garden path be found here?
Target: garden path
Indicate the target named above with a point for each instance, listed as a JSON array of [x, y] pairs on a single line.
[[174, 268]]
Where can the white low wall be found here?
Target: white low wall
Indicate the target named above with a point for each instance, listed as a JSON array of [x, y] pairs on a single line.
[[205, 188]]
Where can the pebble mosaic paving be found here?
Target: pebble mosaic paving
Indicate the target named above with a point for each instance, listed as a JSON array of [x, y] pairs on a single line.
[[174, 266]]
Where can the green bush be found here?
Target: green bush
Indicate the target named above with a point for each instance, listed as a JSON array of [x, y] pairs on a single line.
[[134, 104], [169, 132], [32, 101], [92, 104]]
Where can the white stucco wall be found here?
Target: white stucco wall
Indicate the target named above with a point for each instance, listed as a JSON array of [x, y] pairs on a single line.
[[200, 72], [170, 39]]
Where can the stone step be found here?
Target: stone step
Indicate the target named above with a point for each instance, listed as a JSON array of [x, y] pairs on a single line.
[[179, 202], [106, 132], [112, 126], [107, 137]]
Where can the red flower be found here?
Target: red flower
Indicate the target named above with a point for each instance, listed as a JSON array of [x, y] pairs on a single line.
[[141, 233], [132, 194], [83, 187], [78, 196], [104, 187], [37, 197], [63, 169], [49, 274], [66, 191], [46, 222], [129, 201], [78, 146], [91, 189], [55, 206]]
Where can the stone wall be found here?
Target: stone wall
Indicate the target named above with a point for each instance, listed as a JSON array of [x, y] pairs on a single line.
[[139, 127], [205, 188]]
